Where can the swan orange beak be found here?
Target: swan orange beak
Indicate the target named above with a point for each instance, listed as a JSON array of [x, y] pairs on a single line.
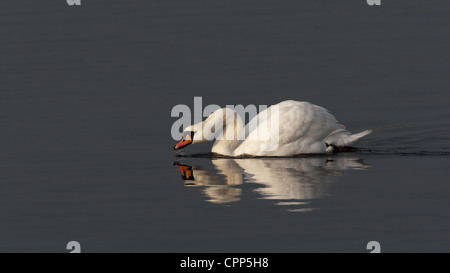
[[183, 143]]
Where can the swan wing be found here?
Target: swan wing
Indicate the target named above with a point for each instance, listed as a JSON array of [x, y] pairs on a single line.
[[302, 128]]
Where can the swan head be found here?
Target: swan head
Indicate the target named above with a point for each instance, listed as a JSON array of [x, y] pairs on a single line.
[[185, 141], [197, 133], [192, 135]]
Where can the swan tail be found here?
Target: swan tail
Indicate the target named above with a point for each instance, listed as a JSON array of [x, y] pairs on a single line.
[[356, 137], [342, 138]]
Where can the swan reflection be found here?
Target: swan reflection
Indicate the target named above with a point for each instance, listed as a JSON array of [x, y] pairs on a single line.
[[293, 182]]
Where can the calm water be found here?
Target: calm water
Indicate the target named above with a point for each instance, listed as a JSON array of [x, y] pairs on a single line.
[[86, 151]]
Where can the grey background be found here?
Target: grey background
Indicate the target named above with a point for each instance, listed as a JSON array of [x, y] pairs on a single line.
[[85, 100]]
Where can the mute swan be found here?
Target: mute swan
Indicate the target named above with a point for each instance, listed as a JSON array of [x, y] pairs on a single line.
[[285, 129]]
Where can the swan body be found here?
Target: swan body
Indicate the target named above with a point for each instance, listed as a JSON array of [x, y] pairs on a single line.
[[297, 128]]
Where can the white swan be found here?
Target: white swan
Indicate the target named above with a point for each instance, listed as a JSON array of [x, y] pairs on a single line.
[[300, 128]]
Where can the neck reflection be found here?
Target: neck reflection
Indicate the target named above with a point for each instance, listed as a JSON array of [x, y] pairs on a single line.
[[292, 182]]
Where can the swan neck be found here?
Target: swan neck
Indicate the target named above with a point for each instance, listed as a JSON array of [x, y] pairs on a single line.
[[232, 133]]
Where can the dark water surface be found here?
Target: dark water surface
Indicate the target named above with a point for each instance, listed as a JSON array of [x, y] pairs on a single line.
[[86, 149]]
